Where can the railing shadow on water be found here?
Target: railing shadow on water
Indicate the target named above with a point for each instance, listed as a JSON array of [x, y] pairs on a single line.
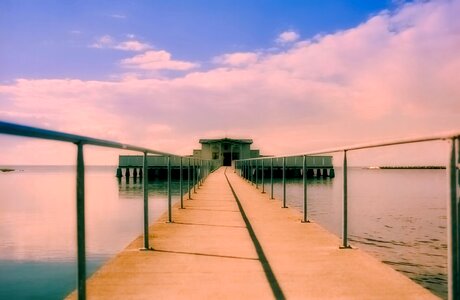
[[254, 170], [199, 168]]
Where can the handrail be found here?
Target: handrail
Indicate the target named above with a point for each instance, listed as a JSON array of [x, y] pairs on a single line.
[[34, 132], [80, 141], [246, 170], [367, 146]]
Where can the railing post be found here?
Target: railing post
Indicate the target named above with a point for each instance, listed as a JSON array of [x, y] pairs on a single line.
[[345, 204], [263, 183], [194, 175], [145, 183], [257, 173], [81, 240], [188, 179], [180, 185], [271, 178], [305, 203], [284, 182], [453, 272], [169, 191]]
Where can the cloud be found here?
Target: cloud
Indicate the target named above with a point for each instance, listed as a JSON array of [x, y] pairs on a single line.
[[108, 42], [105, 41], [287, 37], [157, 60], [132, 46], [237, 59], [118, 16], [394, 75]]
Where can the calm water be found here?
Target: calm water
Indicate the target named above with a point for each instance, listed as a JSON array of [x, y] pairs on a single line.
[[397, 215], [37, 226]]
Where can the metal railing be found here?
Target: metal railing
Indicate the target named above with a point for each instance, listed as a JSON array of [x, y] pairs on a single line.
[[246, 168], [204, 167]]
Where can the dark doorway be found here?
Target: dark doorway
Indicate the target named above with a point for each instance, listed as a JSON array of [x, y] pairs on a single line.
[[227, 159]]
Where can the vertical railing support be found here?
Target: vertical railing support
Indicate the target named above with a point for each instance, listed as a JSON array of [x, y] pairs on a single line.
[[271, 178], [145, 184], [284, 182], [188, 180], [81, 239], [453, 272], [344, 203], [252, 172], [263, 183], [194, 175], [257, 174], [305, 203], [180, 184], [169, 191]]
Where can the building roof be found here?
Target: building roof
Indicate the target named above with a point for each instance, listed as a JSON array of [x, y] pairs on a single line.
[[238, 141]]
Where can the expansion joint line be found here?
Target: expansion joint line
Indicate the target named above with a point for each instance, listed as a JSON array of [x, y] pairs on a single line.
[[274, 285]]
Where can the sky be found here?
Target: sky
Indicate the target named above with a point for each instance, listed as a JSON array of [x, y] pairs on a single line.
[[294, 76]]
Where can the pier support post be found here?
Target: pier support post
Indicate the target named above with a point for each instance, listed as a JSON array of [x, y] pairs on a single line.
[[141, 173], [305, 203], [119, 173], [135, 172], [127, 173], [169, 191], [263, 171], [180, 185], [453, 264], [146, 204], [271, 178], [345, 204], [81, 239], [284, 183]]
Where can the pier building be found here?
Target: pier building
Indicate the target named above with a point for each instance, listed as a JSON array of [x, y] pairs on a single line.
[[223, 152]]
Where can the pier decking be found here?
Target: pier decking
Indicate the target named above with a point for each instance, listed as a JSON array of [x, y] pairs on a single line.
[[232, 242]]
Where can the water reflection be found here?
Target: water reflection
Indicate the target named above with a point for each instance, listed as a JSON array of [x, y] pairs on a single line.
[[37, 225], [399, 216]]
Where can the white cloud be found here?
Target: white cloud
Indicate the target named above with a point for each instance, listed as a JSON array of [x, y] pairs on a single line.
[[118, 16], [237, 59], [394, 75], [105, 41], [287, 37], [157, 60], [108, 42], [132, 45]]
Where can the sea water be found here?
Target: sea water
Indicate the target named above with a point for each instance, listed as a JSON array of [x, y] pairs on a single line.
[[399, 216]]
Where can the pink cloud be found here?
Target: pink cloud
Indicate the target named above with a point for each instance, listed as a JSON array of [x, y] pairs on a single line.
[[157, 60], [394, 75]]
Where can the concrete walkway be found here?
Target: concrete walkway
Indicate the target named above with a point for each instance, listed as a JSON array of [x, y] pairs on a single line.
[[221, 248]]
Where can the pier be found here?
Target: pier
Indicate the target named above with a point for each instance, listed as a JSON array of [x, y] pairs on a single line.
[[229, 239], [233, 242]]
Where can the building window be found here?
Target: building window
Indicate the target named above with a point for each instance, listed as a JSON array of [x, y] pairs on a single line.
[[215, 155]]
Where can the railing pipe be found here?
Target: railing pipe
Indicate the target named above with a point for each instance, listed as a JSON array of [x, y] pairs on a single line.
[[271, 178], [81, 240], [453, 273], [180, 184], [145, 191], [305, 203], [344, 203], [194, 175], [284, 182], [263, 171], [169, 191], [188, 180], [257, 174]]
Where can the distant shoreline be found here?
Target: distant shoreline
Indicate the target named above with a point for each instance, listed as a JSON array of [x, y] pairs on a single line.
[[408, 167], [7, 170]]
